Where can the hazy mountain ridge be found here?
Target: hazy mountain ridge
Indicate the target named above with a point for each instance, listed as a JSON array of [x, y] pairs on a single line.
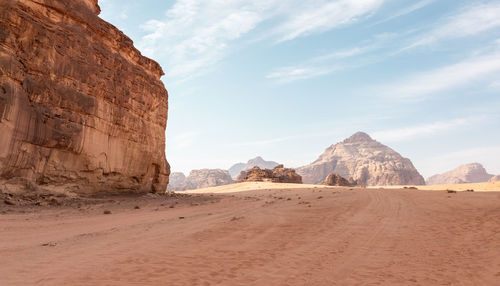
[[236, 169], [197, 179], [468, 173]]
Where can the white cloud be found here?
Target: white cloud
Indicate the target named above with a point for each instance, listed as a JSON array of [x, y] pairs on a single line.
[[456, 75], [495, 84], [325, 16], [293, 73], [410, 132], [330, 62], [408, 10], [196, 34], [355, 51], [469, 21]]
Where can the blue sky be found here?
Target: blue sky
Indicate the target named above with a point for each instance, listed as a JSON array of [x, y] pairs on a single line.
[[285, 79]]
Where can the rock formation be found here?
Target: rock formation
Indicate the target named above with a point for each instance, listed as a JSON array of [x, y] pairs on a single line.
[[365, 160], [338, 180], [495, 179], [176, 182], [279, 174], [207, 178], [469, 173], [80, 108], [236, 169]]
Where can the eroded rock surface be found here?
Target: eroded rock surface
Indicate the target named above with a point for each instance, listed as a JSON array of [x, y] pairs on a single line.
[[80, 108], [279, 174], [468, 173], [365, 160], [338, 180]]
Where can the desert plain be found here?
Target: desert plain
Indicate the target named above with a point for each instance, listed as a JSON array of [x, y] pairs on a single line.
[[259, 234]]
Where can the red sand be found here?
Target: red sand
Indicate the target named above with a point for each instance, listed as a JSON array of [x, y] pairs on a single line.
[[328, 237]]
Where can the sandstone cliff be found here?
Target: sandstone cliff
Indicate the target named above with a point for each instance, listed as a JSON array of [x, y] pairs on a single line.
[[279, 174], [468, 173], [365, 160], [236, 169], [80, 108]]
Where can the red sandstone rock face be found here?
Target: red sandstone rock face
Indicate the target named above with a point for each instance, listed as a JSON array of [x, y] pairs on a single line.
[[80, 108], [279, 174]]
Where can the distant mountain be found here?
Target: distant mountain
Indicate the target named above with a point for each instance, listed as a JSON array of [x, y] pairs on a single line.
[[177, 181], [236, 169], [362, 159], [495, 179], [199, 179], [468, 173]]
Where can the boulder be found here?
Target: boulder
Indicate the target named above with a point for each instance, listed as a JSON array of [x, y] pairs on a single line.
[[337, 180]]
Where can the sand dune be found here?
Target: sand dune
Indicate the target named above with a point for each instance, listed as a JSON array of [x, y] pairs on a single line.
[[300, 236]]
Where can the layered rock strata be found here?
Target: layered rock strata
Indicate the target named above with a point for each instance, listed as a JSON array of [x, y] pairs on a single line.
[[80, 108]]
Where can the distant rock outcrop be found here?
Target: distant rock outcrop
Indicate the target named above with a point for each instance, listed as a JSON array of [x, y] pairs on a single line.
[[198, 179], [338, 180], [177, 182], [365, 160], [468, 173], [279, 174], [495, 179], [81, 110], [236, 169]]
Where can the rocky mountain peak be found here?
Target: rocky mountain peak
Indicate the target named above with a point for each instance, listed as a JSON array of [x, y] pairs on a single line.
[[359, 137], [365, 160]]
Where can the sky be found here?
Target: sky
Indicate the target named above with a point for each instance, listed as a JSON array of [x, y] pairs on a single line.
[[285, 79]]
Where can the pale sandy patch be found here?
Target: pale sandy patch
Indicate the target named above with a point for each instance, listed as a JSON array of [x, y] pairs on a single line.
[[253, 186], [477, 187]]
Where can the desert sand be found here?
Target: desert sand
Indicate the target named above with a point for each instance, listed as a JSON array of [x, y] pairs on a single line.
[[477, 187], [292, 236], [253, 186]]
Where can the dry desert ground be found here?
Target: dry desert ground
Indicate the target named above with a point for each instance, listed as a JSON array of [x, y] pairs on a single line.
[[262, 235]]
